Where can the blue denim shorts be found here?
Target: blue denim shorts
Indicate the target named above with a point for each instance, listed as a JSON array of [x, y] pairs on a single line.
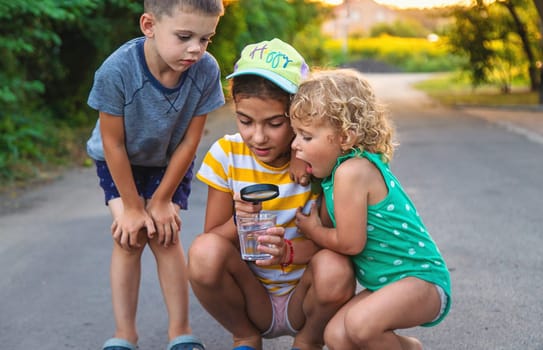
[[147, 180]]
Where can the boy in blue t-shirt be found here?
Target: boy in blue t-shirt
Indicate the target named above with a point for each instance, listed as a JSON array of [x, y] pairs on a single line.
[[153, 95]]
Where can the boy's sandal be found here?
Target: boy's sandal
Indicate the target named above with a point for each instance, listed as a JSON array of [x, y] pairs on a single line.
[[186, 342], [118, 344], [243, 347]]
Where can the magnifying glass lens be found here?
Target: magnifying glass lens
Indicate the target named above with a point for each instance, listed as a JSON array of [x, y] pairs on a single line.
[[259, 192]]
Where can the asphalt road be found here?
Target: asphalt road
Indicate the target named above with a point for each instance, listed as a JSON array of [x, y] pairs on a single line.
[[475, 183]]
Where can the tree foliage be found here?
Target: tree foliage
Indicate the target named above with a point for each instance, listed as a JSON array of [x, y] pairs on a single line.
[[50, 50], [499, 38]]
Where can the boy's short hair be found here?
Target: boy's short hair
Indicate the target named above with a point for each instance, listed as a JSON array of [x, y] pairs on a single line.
[[166, 7]]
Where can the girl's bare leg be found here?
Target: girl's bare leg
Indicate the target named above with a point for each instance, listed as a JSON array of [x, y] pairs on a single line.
[[228, 289], [368, 318], [326, 285]]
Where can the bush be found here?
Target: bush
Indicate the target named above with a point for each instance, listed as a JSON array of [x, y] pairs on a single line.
[[408, 54], [49, 50]]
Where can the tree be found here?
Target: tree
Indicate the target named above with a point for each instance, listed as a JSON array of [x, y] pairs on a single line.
[[50, 50], [522, 31], [471, 36], [498, 34], [539, 6], [247, 21]]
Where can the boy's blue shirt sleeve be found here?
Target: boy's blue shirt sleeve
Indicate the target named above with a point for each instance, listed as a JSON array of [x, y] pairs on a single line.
[[212, 94], [108, 93]]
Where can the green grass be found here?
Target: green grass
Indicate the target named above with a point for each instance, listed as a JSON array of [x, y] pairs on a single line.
[[451, 90]]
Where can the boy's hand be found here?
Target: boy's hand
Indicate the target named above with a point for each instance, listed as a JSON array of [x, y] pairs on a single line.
[[167, 221], [298, 170], [125, 229]]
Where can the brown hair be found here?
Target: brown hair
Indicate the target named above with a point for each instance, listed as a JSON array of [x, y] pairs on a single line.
[[343, 99], [250, 85], [166, 7]]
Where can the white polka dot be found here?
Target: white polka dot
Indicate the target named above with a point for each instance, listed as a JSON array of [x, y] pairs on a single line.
[[412, 251], [407, 207], [398, 262], [404, 225], [390, 207], [370, 258], [362, 272], [392, 184], [383, 245], [383, 279], [379, 215], [403, 276], [438, 263], [425, 266], [396, 232], [421, 229], [421, 244], [370, 228]]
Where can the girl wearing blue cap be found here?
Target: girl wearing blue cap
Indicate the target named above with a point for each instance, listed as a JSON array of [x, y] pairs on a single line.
[[301, 287]]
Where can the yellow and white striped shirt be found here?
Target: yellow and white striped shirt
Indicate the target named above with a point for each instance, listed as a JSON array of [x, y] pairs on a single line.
[[228, 166]]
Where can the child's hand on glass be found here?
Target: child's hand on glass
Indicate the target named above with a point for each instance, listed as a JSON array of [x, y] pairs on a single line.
[[273, 243]]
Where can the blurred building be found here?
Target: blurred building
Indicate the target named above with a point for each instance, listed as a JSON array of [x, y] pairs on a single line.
[[357, 17]]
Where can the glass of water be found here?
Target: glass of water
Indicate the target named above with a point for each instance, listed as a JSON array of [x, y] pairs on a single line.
[[249, 228]]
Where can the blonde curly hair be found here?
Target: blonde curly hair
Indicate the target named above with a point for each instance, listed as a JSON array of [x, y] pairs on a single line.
[[343, 99]]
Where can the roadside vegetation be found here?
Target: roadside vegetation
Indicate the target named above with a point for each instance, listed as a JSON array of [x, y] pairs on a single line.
[[453, 89], [407, 54], [50, 50]]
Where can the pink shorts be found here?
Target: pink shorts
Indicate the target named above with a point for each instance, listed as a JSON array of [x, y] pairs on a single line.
[[280, 325]]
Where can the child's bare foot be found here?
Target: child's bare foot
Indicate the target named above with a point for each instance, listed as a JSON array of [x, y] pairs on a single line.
[[409, 343]]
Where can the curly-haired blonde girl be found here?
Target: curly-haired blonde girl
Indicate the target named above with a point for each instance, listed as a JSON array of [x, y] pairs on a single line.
[[345, 137], [346, 101]]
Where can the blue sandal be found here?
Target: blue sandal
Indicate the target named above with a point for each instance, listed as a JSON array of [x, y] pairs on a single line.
[[186, 342], [118, 344]]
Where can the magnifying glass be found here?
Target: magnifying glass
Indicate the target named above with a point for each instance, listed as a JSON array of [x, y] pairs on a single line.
[[259, 193]]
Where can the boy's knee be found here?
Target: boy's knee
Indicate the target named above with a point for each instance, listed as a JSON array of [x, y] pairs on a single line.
[[128, 253]]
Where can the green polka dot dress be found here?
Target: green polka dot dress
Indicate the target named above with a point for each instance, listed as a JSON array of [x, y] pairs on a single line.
[[398, 244]]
